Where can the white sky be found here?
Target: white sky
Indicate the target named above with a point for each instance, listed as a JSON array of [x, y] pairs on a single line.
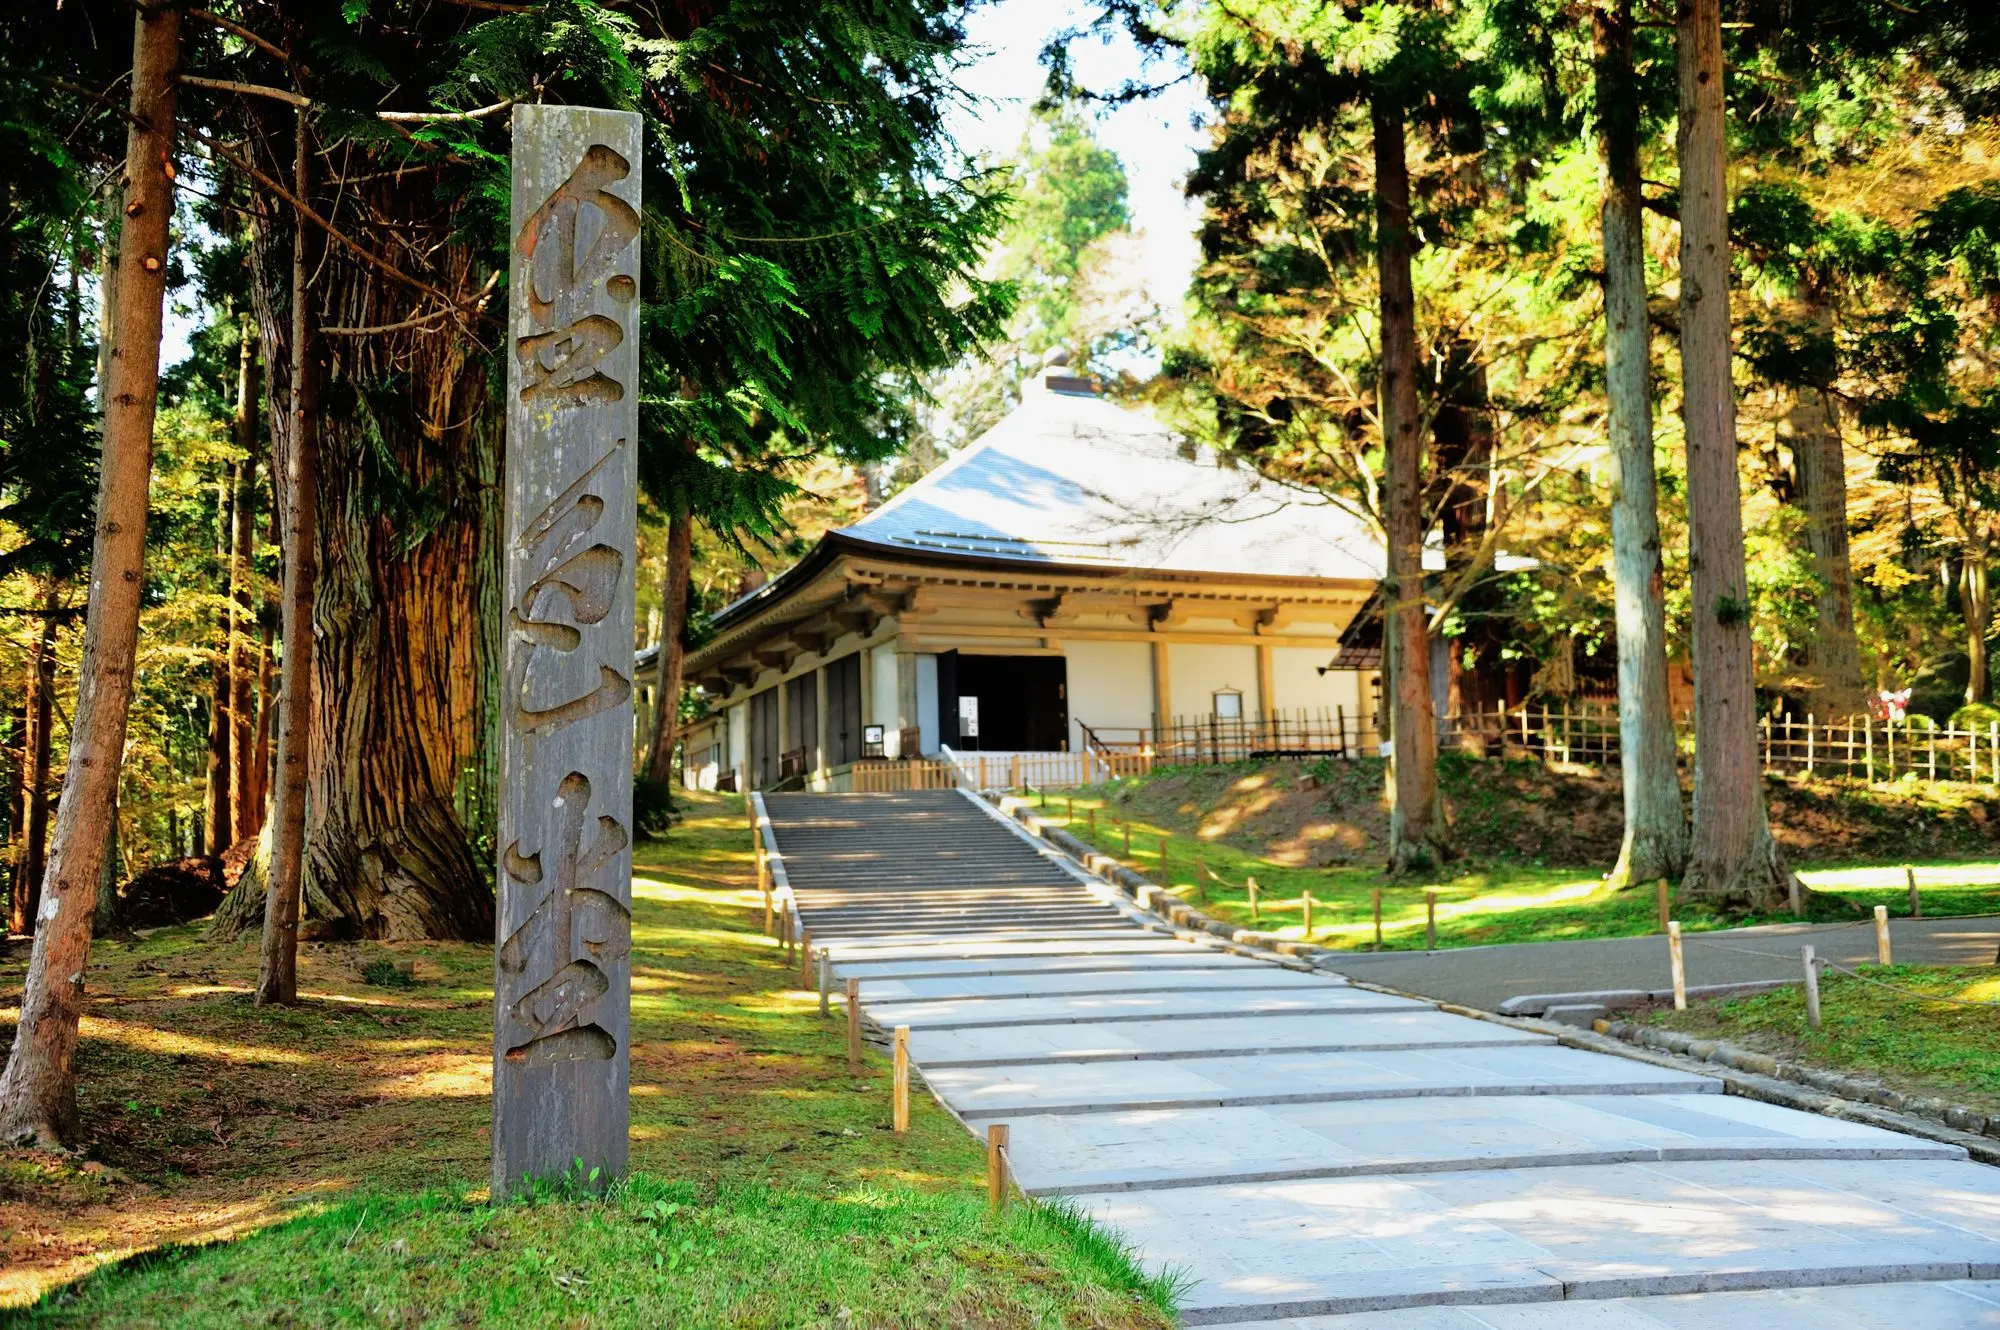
[[1156, 138]]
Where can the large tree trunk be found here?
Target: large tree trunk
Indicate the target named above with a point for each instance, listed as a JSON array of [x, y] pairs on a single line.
[[673, 624], [1735, 861], [219, 826], [38, 1089], [29, 868], [1820, 464], [1976, 596], [1656, 836], [1416, 824], [278, 960], [244, 796], [267, 674]]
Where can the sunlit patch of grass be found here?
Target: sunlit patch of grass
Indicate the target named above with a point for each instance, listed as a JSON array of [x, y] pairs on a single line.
[[1478, 904], [1929, 1048], [741, 1096]]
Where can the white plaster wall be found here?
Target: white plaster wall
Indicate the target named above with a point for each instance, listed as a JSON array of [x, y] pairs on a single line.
[[1197, 671], [1110, 687], [737, 719], [884, 699], [927, 699], [1298, 685]]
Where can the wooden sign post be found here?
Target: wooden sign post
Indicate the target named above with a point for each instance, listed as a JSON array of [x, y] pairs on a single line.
[[562, 981]]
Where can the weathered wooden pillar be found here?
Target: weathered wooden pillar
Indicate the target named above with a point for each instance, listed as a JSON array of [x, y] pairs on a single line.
[[562, 982]]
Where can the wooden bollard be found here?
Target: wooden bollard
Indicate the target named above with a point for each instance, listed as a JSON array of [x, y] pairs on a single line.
[[1795, 895], [1069, 809], [1430, 921], [900, 1089], [1660, 890], [1306, 900], [1378, 918], [1200, 880], [1250, 885], [854, 1025], [1126, 827], [996, 1166], [806, 961], [1882, 935], [825, 982], [1916, 905], [1679, 967], [1812, 986], [767, 909], [1093, 826]]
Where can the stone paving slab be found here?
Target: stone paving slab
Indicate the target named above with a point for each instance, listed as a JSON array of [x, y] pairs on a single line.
[[982, 948], [1172, 1040], [1279, 1078], [1263, 978], [1602, 1231], [1068, 1154], [1184, 958], [1959, 1305], [1088, 1009]]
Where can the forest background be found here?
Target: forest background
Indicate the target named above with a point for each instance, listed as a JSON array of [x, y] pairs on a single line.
[[839, 299]]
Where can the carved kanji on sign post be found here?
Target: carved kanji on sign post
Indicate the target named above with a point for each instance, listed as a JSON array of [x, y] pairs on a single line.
[[562, 975]]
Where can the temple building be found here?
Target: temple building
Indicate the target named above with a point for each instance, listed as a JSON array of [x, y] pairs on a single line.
[[1074, 581]]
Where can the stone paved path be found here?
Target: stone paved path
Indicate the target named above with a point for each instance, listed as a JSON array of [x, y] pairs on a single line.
[[1314, 1154]]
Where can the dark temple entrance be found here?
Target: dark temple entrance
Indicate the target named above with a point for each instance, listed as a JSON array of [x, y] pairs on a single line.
[[1023, 702]]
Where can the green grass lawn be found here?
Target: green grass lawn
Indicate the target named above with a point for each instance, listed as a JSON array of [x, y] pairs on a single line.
[[1926, 1048], [325, 1165], [1478, 904]]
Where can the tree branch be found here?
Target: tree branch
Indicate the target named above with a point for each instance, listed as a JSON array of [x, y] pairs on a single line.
[[244, 89]]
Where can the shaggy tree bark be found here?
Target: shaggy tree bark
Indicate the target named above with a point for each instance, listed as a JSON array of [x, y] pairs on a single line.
[[38, 1089], [673, 623], [245, 804], [1734, 861], [277, 968], [1655, 843], [35, 752], [1416, 824]]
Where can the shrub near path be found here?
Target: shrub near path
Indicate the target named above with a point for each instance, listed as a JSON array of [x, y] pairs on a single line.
[[347, 1139]]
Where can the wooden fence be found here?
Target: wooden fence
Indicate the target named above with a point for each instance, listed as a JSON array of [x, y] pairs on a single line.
[[1860, 747]]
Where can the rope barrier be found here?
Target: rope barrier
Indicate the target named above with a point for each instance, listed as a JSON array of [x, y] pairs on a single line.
[[1919, 997]]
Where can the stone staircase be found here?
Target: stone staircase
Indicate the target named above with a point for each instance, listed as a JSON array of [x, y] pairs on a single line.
[[923, 863]]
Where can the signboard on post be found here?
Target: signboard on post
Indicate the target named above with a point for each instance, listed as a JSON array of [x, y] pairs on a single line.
[[562, 969], [968, 718]]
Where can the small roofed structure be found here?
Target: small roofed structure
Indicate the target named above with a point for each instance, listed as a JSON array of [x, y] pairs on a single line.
[[1074, 581]]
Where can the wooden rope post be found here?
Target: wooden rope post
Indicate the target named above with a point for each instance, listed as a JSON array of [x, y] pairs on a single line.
[[1126, 827], [1812, 986], [1378, 918], [1200, 880], [1916, 905], [1250, 885], [767, 909], [854, 1026], [1069, 809], [1795, 893], [1882, 935], [825, 983], [1430, 921], [900, 1089], [805, 960], [1093, 826], [1306, 898], [996, 1166], [1675, 960], [1660, 889]]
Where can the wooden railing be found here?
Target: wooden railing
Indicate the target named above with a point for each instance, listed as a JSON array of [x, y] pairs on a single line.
[[892, 776]]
